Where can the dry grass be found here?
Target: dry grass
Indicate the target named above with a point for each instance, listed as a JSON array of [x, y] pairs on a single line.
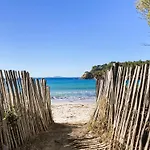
[[118, 146], [100, 126]]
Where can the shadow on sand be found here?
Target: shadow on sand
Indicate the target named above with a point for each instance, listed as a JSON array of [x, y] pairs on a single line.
[[61, 137]]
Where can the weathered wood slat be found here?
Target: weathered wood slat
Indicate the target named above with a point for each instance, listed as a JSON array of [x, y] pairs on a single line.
[[144, 111], [134, 109], [25, 109], [138, 108], [128, 98]]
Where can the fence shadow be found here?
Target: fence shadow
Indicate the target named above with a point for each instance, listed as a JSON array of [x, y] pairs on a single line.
[[65, 137], [57, 138]]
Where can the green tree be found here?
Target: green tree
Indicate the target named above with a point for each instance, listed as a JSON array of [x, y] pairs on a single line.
[[100, 70], [144, 7]]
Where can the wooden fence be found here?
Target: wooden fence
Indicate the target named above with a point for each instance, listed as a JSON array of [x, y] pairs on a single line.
[[126, 92], [25, 108]]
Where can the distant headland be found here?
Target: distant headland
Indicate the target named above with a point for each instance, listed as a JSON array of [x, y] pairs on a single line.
[[98, 71]]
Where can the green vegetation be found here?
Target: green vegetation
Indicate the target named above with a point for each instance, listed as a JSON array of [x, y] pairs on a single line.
[[144, 7], [87, 75], [99, 70]]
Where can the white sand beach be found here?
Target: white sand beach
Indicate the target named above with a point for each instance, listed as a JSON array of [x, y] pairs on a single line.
[[72, 112]]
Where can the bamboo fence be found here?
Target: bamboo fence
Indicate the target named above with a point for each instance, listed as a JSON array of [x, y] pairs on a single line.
[[25, 108], [126, 91]]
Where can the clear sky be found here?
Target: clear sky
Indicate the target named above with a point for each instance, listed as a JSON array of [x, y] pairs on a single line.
[[68, 37]]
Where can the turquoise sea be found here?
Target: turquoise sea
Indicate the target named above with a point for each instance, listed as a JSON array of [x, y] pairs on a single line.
[[71, 89]]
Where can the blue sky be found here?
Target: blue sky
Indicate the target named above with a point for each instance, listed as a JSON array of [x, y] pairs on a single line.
[[68, 37]]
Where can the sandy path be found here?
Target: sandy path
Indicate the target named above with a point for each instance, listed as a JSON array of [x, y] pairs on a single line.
[[69, 131], [72, 112]]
